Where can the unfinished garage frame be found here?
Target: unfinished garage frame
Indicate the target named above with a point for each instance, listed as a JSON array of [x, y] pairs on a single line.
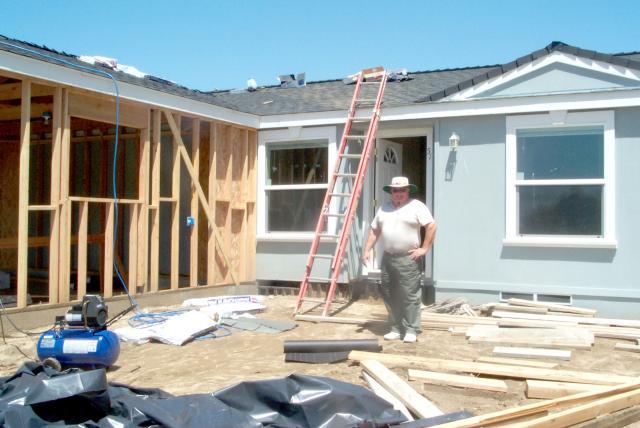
[[184, 214]]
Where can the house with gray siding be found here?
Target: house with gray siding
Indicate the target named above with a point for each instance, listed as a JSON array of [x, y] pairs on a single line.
[[535, 196]]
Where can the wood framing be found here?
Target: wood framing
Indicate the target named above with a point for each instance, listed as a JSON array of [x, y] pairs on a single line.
[[88, 230]]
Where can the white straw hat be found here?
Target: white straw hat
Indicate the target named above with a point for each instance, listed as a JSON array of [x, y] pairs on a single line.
[[400, 182]]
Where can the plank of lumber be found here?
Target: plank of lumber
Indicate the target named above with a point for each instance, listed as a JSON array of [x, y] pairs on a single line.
[[56, 142], [381, 392], [512, 308], [585, 412], [553, 307], [578, 320], [547, 389], [436, 364], [517, 362], [627, 347], [517, 352], [23, 193], [552, 338], [338, 320], [437, 378], [531, 409], [414, 401]]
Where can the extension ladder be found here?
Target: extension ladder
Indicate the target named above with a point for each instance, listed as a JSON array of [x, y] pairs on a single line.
[[341, 178]]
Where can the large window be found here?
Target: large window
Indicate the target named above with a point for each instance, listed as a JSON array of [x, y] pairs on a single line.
[[297, 176], [560, 179]]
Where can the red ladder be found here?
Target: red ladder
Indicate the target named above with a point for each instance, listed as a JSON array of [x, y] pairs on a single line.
[[343, 176]]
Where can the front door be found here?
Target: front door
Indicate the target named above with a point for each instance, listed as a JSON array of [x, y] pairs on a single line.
[[389, 165]]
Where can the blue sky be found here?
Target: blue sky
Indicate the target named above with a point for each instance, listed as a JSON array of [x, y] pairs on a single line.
[[220, 44]]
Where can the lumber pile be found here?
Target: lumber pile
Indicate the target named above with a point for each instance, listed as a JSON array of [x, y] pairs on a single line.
[[570, 397]]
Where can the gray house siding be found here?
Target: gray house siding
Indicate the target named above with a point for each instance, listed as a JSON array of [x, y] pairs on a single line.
[[470, 259]]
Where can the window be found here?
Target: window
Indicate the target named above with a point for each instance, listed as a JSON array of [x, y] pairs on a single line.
[[296, 183], [560, 189]]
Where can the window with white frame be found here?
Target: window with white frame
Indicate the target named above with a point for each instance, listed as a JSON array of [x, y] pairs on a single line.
[[297, 176], [560, 179]]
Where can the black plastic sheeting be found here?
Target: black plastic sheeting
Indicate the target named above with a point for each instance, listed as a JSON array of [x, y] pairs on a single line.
[[38, 396], [331, 345]]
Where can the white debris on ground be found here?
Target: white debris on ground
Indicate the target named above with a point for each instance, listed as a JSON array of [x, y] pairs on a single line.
[[112, 63], [454, 306]]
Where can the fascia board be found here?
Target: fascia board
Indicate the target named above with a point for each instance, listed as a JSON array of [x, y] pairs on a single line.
[[62, 75], [476, 107]]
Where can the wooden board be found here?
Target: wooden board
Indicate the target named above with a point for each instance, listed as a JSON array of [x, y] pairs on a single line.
[[561, 337], [553, 307], [517, 362], [547, 389], [627, 347], [381, 392], [23, 193], [543, 406], [414, 401], [436, 378], [578, 320], [435, 364], [517, 352]]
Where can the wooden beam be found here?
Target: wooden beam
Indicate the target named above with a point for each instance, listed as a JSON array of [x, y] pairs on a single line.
[[103, 109], [64, 272], [543, 406], [154, 260], [515, 372], [517, 362], [83, 225], [568, 318], [175, 208], [211, 207], [194, 178], [553, 307], [132, 284], [517, 352], [547, 389], [446, 379], [415, 402], [193, 253], [382, 392], [43, 241], [627, 347], [143, 211], [585, 412], [12, 91], [23, 194], [108, 251], [54, 246]]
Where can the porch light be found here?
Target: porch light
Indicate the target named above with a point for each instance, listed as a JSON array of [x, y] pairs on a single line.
[[454, 141]]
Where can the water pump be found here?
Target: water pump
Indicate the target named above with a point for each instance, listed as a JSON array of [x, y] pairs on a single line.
[[80, 338]]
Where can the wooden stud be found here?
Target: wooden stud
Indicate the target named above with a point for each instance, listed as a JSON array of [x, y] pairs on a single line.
[[446, 379], [213, 186], [517, 352], [143, 211], [83, 224], [154, 262], [65, 206], [415, 402], [175, 209], [547, 389], [194, 177], [108, 251], [193, 253], [23, 194], [517, 362], [133, 249]]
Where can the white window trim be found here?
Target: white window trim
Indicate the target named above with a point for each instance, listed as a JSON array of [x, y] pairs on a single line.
[[550, 120], [280, 136]]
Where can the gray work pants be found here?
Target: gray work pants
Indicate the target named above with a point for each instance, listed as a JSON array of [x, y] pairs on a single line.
[[401, 292]]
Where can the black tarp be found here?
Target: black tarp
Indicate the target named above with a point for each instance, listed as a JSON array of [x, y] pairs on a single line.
[[37, 396]]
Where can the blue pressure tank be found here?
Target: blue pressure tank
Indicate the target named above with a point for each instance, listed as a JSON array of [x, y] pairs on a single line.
[[79, 347]]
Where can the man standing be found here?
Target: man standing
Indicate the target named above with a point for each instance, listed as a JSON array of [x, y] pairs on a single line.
[[398, 225]]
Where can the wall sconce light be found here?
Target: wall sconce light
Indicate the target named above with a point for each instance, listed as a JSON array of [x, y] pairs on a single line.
[[47, 117], [454, 141]]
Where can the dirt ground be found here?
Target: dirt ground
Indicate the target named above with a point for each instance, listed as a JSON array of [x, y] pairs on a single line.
[[208, 365]]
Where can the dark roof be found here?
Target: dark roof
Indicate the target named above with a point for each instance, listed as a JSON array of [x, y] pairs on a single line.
[[424, 86], [629, 60]]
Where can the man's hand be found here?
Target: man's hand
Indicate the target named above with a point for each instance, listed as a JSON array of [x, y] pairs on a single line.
[[365, 258], [416, 253]]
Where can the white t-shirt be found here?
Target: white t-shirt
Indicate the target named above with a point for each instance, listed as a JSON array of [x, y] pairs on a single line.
[[400, 227]]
